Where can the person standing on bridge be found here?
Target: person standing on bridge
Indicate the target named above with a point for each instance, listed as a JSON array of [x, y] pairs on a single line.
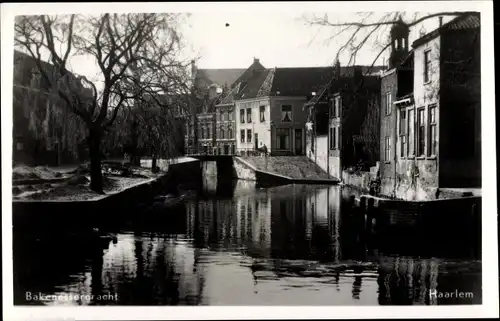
[[264, 149]]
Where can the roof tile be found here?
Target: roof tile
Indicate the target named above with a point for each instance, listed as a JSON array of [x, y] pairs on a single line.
[[468, 20]]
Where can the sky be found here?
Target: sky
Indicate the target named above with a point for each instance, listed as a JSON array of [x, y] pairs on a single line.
[[277, 39], [232, 38]]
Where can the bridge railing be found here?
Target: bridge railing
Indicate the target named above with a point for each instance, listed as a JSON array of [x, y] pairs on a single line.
[[230, 152]]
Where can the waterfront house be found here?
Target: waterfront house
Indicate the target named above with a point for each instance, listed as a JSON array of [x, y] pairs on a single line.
[[226, 111], [396, 82], [431, 119], [212, 87], [269, 109], [45, 131], [225, 124], [206, 132], [342, 120]]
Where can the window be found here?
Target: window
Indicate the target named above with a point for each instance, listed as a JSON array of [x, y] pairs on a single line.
[[230, 115], [387, 149], [395, 44], [242, 116], [242, 135], [403, 145], [411, 133], [432, 131], [388, 103], [249, 115], [283, 138], [404, 43], [262, 114], [222, 133], [209, 132], [337, 138], [249, 135], [202, 133], [427, 65], [420, 132], [402, 122], [402, 132], [286, 113], [332, 138], [219, 116], [338, 106], [230, 133], [335, 108]]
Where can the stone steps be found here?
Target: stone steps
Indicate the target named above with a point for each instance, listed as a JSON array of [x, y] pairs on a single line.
[[295, 167]]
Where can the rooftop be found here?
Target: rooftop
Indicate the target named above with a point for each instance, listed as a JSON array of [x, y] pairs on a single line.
[[467, 20], [221, 77]]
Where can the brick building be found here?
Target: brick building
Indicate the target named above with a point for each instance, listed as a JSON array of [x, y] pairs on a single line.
[[431, 115], [343, 120], [213, 99], [270, 112]]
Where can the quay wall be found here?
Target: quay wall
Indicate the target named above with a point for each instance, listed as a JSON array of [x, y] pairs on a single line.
[[87, 214]]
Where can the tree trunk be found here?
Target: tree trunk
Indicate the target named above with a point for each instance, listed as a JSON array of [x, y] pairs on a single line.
[[154, 160], [94, 141], [135, 160]]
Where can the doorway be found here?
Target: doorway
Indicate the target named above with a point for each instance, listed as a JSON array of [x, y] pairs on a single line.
[[256, 141], [298, 141]]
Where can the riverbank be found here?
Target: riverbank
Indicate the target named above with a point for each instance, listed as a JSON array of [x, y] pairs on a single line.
[[44, 183], [84, 209]]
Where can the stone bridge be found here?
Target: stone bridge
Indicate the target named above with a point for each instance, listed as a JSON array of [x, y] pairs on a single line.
[[272, 170]]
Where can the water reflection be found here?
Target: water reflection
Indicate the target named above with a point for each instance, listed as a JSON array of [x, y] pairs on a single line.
[[244, 245]]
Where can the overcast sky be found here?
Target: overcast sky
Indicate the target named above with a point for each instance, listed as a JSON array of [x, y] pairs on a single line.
[[277, 39], [273, 32]]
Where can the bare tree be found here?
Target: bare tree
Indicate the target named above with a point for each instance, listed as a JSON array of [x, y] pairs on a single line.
[[127, 48], [368, 30]]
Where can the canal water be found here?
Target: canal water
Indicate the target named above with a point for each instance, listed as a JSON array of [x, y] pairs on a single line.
[[238, 244]]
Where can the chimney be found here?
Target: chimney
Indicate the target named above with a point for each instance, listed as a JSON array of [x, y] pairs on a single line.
[[337, 68], [193, 68], [440, 22]]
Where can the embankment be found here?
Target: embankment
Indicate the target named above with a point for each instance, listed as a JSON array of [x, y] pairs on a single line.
[[85, 214]]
